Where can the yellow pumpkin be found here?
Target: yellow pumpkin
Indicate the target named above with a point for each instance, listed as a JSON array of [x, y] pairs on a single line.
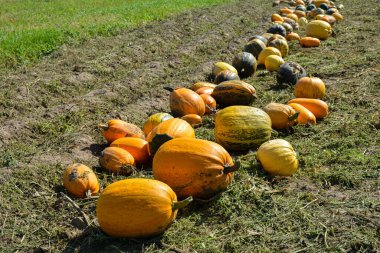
[[317, 3], [278, 158], [117, 160], [220, 66], [302, 21], [199, 85], [266, 52], [137, 208], [273, 62], [281, 115], [281, 45], [318, 29], [154, 120], [310, 87], [337, 16], [80, 181], [276, 17]]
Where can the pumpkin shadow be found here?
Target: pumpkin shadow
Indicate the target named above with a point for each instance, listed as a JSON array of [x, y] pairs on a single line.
[[96, 149]]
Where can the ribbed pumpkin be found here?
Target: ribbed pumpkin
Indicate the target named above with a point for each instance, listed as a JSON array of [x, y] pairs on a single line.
[[245, 63], [137, 208], [234, 93], [226, 75], [291, 22], [185, 101], [80, 181], [193, 119], [273, 62], [305, 117], [287, 27], [281, 115], [167, 130], [281, 45], [266, 36], [278, 158], [289, 73], [292, 36], [199, 85], [205, 90], [154, 120], [292, 16], [318, 29], [310, 42], [242, 127], [220, 66], [266, 52], [210, 103], [310, 87], [117, 160], [115, 129], [259, 37], [138, 148], [194, 167], [255, 47], [277, 29], [274, 37], [319, 108]]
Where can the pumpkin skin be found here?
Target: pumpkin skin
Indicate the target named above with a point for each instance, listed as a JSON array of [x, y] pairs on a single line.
[[167, 130], [319, 108], [276, 17], [337, 16], [199, 85], [277, 29], [310, 87], [210, 103], [234, 93], [317, 3], [226, 75], [116, 129], [80, 181], [293, 36], [117, 160], [289, 73], [274, 37], [220, 66], [138, 148], [273, 62], [287, 27], [185, 101], [204, 90], [281, 115], [292, 16], [278, 158], [266, 52], [193, 167], [137, 208], [305, 117], [310, 42], [193, 119], [300, 14], [241, 128], [154, 120], [285, 11], [302, 21], [245, 63], [318, 29], [259, 37], [281, 45], [291, 22], [329, 19], [255, 47]]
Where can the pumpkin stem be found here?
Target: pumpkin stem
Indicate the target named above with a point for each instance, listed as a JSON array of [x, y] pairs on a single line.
[[168, 88], [294, 116], [103, 126], [228, 168], [212, 110], [88, 193], [181, 204]]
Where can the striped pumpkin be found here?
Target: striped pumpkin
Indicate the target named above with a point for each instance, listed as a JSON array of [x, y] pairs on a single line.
[[234, 93]]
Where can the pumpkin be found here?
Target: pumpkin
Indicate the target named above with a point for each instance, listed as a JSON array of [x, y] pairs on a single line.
[[305, 117], [301, 8], [315, 12], [289, 73], [310, 87], [242, 127], [245, 63], [291, 22], [277, 29], [137, 208], [80, 181], [226, 75], [154, 120], [193, 119], [167, 130], [329, 19], [318, 29], [310, 42], [292, 16], [302, 21], [276, 17], [117, 160], [311, 7], [287, 27], [281, 115], [266, 52], [194, 167], [220, 66], [210, 103], [281, 45], [324, 6], [318, 3], [299, 3], [259, 37], [205, 90], [337, 16], [330, 11], [185, 101], [255, 47], [285, 11], [266, 36], [273, 62], [274, 37], [319, 108], [300, 14], [293, 36], [198, 85], [115, 129], [277, 157], [234, 93], [138, 148]]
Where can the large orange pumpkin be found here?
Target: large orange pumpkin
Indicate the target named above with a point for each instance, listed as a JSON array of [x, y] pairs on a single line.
[[80, 181], [310, 87], [116, 129], [185, 101], [194, 167], [137, 147], [117, 160]]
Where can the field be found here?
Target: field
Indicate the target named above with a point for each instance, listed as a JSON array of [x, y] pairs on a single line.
[[50, 111]]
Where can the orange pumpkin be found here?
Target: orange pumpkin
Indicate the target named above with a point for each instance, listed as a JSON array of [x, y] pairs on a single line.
[[310, 87], [310, 42], [185, 101], [154, 120], [117, 160], [329, 19], [205, 90], [193, 119], [281, 115], [194, 167], [305, 116], [285, 11], [319, 108], [276, 17], [80, 181], [210, 103], [292, 36], [116, 129], [292, 16], [337, 16], [138, 148], [300, 14], [167, 130]]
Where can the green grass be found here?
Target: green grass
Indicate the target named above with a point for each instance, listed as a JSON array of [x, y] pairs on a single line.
[[31, 29]]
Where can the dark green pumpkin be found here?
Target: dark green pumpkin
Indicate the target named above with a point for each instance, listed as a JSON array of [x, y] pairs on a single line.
[[301, 8], [288, 27], [289, 73], [245, 63], [226, 75], [310, 7], [255, 47], [260, 38], [277, 29]]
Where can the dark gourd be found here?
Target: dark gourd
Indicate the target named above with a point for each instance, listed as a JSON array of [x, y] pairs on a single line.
[[259, 37], [277, 29], [255, 47], [226, 75], [245, 63], [289, 73]]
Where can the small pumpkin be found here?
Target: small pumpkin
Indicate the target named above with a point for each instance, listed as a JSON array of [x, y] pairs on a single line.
[[281, 45], [277, 157], [282, 116], [301, 8], [319, 108], [274, 37], [115, 129], [273, 62], [194, 167], [205, 90], [277, 29], [310, 42], [138, 148], [305, 117], [245, 63], [193, 119], [255, 47], [185, 101], [266, 36], [167, 130], [276, 17], [302, 21], [292, 16], [199, 85], [337, 16], [80, 181], [234, 93], [226, 75], [311, 7], [293, 36], [318, 29], [329, 19], [330, 11], [117, 160], [137, 208], [324, 6], [285, 11], [310, 87], [242, 127], [289, 73], [220, 66], [266, 52], [154, 120], [291, 22], [210, 103], [259, 37], [287, 27]]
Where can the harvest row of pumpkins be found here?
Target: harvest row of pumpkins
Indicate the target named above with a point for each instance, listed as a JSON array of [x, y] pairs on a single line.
[[185, 167]]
